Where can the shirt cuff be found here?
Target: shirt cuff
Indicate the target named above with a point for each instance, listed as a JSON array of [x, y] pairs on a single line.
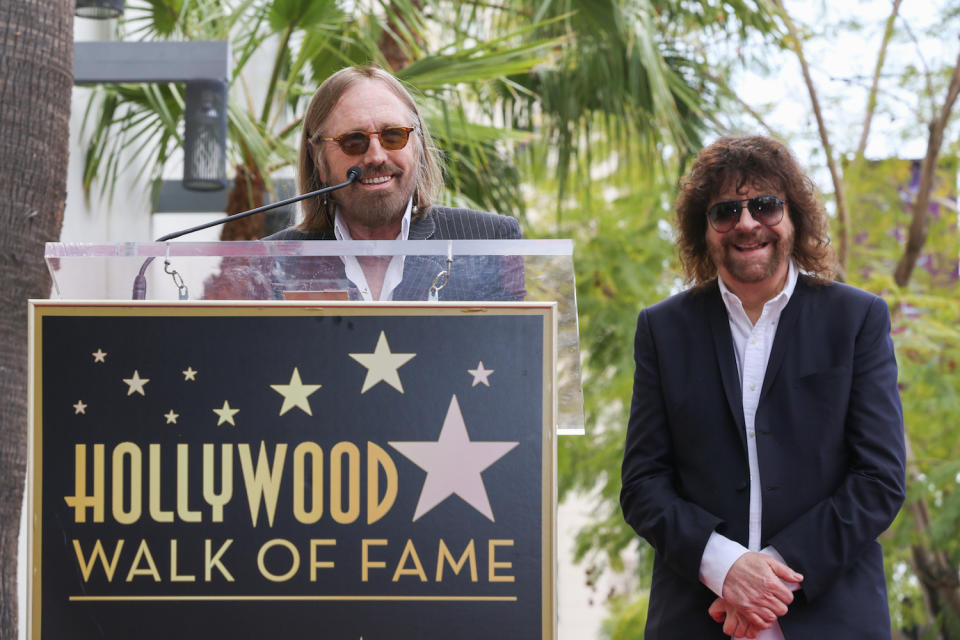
[[718, 556], [770, 551]]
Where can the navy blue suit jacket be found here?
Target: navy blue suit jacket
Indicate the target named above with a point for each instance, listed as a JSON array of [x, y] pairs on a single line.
[[829, 431]]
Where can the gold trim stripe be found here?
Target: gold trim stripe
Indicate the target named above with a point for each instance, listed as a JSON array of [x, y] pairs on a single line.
[[226, 598]]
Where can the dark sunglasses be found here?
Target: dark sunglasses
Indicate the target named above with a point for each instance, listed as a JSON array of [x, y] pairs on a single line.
[[767, 210], [356, 143]]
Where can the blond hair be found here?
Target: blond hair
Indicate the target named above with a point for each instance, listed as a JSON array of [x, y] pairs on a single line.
[[316, 213]]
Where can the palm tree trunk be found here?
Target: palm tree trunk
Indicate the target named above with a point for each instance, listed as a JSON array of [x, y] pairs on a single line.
[[36, 80], [248, 192]]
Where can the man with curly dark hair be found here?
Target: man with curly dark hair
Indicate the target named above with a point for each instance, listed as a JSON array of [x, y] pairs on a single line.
[[765, 450]]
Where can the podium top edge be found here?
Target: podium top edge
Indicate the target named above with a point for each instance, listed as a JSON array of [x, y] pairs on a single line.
[[286, 248]]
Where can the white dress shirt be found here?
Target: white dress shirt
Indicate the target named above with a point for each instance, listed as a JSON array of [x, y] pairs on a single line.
[[752, 345], [354, 271]]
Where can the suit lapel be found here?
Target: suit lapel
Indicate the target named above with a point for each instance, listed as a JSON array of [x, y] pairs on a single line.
[[726, 359], [422, 229], [417, 278], [785, 335]]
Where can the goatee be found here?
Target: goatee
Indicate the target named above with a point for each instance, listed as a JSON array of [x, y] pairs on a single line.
[[747, 268], [378, 208]]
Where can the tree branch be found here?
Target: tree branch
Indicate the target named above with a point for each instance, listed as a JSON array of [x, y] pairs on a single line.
[[843, 214], [919, 224], [872, 96]]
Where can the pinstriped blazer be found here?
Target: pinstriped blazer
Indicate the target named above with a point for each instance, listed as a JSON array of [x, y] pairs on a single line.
[[471, 277]]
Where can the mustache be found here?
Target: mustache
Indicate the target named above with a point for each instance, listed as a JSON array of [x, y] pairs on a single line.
[[383, 167], [741, 237]]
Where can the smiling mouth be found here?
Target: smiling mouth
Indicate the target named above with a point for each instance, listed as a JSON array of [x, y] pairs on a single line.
[[753, 246], [377, 180]]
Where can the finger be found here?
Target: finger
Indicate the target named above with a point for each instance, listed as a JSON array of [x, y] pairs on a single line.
[[730, 624], [776, 607], [766, 614], [718, 615], [753, 618], [778, 590], [786, 573], [717, 610], [741, 629], [751, 632]]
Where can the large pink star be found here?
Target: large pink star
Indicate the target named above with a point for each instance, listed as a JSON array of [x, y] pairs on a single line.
[[453, 464]]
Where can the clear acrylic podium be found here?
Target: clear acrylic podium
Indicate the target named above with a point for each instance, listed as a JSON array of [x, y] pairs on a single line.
[[433, 270]]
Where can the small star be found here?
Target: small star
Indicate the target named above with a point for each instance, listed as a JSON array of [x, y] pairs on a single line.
[[226, 414], [382, 365], [79, 408], [99, 355], [480, 375], [295, 393], [171, 417], [136, 383], [189, 374]]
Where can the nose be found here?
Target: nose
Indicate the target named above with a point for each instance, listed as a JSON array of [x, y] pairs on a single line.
[[746, 220], [375, 153]]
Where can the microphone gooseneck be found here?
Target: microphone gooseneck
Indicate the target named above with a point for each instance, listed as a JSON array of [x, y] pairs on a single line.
[[140, 282]]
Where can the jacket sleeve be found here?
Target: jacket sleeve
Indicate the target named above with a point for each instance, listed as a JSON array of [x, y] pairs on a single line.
[[829, 537], [676, 528]]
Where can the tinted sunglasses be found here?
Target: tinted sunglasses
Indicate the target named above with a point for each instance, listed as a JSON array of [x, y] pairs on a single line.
[[767, 210], [356, 143]]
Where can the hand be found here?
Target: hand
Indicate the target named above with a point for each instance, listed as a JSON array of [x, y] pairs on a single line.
[[754, 588], [733, 623]]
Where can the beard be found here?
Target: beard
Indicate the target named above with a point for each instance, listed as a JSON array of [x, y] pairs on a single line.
[[377, 208], [750, 268]]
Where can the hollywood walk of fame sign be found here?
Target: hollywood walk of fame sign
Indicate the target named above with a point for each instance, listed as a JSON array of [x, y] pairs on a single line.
[[295, 471]]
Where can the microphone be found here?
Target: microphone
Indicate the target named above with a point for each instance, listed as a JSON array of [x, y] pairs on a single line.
[[140, 281]]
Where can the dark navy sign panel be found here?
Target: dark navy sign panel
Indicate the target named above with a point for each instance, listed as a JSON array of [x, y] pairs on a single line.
[[240, 472]]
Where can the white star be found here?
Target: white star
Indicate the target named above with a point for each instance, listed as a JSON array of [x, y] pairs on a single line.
[[453, 464], [382, 365], [226, 414], [480, 375], [136, 383], [171, 417], [79, 408], [295, 394], [99, 355], [189, 374]]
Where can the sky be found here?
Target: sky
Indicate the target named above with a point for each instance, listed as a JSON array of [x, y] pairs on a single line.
[[842, 62]]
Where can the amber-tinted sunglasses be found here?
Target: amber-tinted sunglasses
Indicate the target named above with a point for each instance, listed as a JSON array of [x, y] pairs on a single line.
[[356, 143], [767, 210]]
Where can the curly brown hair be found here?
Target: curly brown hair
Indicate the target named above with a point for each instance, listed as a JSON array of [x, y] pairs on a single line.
[[738, 161]]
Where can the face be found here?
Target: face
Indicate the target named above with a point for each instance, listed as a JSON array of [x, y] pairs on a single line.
[[751, 253], [388, 178]]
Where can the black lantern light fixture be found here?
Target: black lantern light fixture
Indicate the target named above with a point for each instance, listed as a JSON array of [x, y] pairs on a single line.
[[203, 66], [99, 9], [205, 136]]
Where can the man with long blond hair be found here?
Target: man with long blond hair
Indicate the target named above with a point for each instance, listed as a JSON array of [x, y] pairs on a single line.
[[364, 117], [765, 450]]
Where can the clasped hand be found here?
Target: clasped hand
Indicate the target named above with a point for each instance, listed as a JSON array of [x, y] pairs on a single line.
[[754, 595]]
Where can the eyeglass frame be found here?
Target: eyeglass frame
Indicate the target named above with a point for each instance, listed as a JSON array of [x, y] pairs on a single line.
[[367, 135], [781, 205]]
